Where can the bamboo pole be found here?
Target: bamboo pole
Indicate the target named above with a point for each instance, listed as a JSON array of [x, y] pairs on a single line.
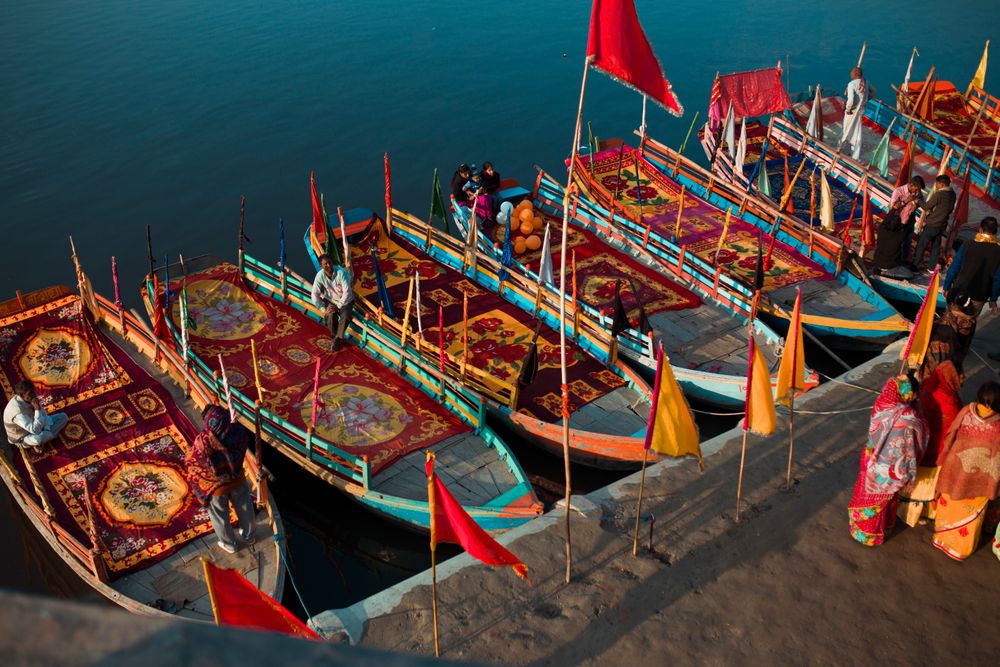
[[638, 506], [562, 317], [791, 437], [861, 58], [343, 238], [243, 202], [739, 484], [968, 142], [434, 591], [406, 326], [465, 331], [686, 136], [993, 160], [680, 212], [36, 482]]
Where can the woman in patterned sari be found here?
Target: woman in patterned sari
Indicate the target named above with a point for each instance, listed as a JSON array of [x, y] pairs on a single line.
[[939, 404], [897, 437], [970, 474]]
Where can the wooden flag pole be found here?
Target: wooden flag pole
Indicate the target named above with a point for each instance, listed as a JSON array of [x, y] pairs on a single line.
[[562, 314], [433, 513], [343, 238], [739, 484], [993, 160], [680, 212], [791, 438], [638, 506], [861, 58], [968, 142]]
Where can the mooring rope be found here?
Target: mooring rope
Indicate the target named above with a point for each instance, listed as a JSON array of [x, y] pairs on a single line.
[[281, 553]]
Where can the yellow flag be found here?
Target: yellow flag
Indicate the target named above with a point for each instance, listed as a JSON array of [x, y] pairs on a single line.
[[826, 204], [759, 416], [671, 429], [979, 78], [792, 371], [920, 335]]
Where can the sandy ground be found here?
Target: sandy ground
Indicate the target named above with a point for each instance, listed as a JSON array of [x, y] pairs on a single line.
[[786, 584]]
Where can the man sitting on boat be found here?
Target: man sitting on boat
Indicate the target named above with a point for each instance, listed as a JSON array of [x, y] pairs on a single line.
[[933, 226], [854, 112], [975, 270], [215, 470], [332, 291], [26, 421]]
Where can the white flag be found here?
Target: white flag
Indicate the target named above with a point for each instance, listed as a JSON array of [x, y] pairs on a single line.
[[545, 264], [420, 324], [741, 150], [730, 132]]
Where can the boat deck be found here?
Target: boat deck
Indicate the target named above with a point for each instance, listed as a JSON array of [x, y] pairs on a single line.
[[472, 471]]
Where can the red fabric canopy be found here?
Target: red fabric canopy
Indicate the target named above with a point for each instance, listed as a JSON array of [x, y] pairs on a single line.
[[755, 93], [618, 46]]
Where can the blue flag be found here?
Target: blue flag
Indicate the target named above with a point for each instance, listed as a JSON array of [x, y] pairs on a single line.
[[508, 253], [281, 245], [383, 292]]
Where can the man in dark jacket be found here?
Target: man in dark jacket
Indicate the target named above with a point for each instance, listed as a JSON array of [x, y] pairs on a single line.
[[975, 270], [933, 227]]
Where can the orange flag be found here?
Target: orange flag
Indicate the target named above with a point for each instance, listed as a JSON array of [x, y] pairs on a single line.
[[759, 416], [792, 371], [237, 602], [961, 216], [920, 336], [451, 523], [671, 429], [867, 220], [903, 177], [789, 208]]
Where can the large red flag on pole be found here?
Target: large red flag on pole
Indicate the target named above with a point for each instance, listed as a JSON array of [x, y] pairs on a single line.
[[318, 220], [237, 602], [618, 47], [451, 523]]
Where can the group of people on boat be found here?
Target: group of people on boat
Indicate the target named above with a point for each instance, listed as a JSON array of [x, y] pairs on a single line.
[[927, 457], [475, 188]]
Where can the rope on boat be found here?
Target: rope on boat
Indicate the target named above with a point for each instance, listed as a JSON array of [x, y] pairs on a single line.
[[985, 362], [281, 552], [797, 411], [846, 384]]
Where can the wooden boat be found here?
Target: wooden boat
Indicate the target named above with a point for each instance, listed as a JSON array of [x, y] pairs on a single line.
[[378, 411], [848, 173], [836, 305], [965, 127], [609, 402], [109, 494], [706, 343]]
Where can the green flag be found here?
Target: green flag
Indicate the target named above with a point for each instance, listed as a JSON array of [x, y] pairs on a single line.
[[763, 182], [880, 158], [437, 203], [332, 248]]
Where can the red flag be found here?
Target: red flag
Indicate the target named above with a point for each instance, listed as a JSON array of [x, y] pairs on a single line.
[[867, 220], [451, 523], [904, 169], [961, 215], [388, 186], [237, 602], [318, 226], [850, 221], [160, 328], [618, 47]]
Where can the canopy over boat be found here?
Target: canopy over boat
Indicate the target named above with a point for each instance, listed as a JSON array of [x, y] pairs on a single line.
[[754, 93]]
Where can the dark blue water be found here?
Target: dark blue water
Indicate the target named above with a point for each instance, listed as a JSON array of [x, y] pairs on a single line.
[[120, 114]]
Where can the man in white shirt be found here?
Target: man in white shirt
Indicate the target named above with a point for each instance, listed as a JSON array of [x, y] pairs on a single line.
[[854, 112], [26, 421], [332, 292]]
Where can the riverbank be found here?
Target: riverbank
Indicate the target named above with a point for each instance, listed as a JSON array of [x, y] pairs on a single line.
[[787, 583]]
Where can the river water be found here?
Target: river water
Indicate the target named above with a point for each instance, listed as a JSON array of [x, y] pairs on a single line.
[[121, 114]]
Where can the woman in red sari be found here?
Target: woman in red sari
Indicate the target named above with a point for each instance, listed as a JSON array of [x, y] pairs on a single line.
[[939, 404], [897, 438], [970, 474]]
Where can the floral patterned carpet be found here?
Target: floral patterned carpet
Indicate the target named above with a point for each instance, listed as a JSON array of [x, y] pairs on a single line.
[[123, 447], [363, 408], [658, 197], [952, 116], [599, 267], [499, 332]]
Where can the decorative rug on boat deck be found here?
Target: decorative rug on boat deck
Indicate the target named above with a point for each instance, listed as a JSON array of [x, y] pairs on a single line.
[[804, 194], [952, 116], [599, 267], [364, 408], [123, 446], [499, 332], [701, 223]]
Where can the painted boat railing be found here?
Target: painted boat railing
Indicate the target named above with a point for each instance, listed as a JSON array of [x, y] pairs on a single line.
[[475, 379], [516, 288], [978, 97], [379, 341], [814, 243], [638, 343], [934, 141]]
